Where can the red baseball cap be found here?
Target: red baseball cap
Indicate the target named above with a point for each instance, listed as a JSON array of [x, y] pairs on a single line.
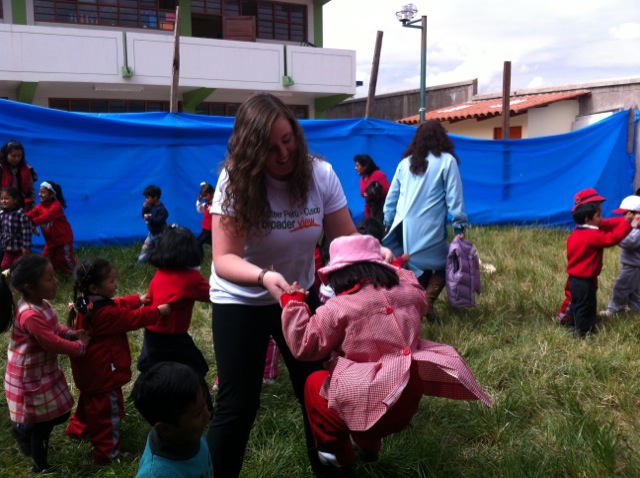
[[585, 196]]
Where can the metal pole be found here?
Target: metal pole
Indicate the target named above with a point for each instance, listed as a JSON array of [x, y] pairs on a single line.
[[423, 70]]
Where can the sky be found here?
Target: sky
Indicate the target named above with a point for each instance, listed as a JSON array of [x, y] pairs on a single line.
[[548, 42]]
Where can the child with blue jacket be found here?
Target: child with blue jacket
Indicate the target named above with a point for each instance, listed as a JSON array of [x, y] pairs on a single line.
[[155, 215]]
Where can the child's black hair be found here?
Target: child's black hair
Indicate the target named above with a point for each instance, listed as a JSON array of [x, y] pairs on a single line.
[[375, 200], [15, 194], [206, 188], [58, 192], [153, 191], [27, 270], [586, 211], [165, 391], [372, 227], [637, 193], [9, 147], [92, 271], [177, 249], [346, 278]]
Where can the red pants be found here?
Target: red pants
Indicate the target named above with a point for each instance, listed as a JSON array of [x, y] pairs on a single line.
[[329, 429], [61, 257], [98, 417]]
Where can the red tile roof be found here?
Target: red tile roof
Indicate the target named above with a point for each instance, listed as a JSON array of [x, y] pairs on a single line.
[[485, 109]]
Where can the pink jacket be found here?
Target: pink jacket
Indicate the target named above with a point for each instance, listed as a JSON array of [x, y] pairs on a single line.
[[373, 336], [35, 387]]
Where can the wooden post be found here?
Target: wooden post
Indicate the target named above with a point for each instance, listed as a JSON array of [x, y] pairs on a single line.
[[374, 75], [175, 74], [506, 131], [506, 96]]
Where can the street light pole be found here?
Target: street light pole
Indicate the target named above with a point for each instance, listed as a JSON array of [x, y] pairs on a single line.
[[405, 15]]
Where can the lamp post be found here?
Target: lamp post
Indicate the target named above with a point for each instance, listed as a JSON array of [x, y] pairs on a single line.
[[405, 16]]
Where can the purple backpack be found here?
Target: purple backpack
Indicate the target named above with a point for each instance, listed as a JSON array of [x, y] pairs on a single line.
[[463, 273]]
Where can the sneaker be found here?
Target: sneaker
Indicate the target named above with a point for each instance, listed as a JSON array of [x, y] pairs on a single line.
[[327, 458], [607, 313], [268, 381], [24, 443]]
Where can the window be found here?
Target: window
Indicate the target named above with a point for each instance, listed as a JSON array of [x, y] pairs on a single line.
[[515, 132], [156, 14], [274, 20], [108, 106], [230, 109], [282, 21]]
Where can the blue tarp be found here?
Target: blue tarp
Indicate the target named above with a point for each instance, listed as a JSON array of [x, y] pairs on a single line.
[[104, 161]]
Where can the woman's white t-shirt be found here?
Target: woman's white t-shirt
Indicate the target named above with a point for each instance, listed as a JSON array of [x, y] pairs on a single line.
[[292, 237]]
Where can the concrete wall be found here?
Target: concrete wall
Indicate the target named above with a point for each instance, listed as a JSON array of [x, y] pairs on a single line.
[[556, 118], [394, 106]]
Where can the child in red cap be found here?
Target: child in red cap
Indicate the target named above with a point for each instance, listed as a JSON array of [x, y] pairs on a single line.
[[585, 246], [379, 366]]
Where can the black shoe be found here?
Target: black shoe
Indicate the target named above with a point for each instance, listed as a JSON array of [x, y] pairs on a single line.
[[46, 470], [24, 443]]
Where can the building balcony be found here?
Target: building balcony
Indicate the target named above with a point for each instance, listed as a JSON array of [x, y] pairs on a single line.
[[79, 61]]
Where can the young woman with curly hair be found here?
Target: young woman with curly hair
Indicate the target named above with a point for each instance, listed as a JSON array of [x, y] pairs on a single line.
[[271, 204]]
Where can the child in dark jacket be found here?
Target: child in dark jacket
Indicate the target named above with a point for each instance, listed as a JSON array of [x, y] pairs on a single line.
[[155, 215], [106, 367], [585, 246]]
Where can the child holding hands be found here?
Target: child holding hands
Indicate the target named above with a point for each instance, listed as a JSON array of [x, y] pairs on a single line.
[[380, 367], [36, 388], [626, 291], [178, 282], [585, 249], [106, 367]]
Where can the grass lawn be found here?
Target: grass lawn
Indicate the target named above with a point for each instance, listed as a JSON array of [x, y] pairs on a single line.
[[562, 407]]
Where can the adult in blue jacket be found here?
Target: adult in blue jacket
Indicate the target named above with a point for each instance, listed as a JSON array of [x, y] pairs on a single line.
[[425, 190]]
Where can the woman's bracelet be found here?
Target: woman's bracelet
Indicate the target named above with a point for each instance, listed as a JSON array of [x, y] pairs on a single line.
[[262, 274]]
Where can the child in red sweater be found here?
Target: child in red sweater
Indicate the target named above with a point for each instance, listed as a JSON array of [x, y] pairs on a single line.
[[58, 236], [178, 282], [106, 367], [585, 246]]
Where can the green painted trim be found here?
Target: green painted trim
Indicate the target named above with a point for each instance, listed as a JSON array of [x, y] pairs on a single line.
[[317, 24], [27, 91], [323, 104], [186, 28], [191, 99], [19, 12]]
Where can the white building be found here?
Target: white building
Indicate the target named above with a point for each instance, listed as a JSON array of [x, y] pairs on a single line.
[[117, 55]]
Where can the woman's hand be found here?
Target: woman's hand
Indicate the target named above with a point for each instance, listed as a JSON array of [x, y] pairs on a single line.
[[144, 299], [275, 283]]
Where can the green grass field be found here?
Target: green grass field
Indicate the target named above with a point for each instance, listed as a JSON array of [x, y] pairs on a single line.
[[562, 407]]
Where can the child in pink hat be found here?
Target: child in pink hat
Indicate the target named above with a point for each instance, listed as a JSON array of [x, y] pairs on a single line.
[[379, 366], [585, 246]]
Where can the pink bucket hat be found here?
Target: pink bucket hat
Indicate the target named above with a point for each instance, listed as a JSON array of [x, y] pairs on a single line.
[[347, 250]]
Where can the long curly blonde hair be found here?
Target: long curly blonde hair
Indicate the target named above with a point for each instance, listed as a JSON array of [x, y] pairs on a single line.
[[246, 189]]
